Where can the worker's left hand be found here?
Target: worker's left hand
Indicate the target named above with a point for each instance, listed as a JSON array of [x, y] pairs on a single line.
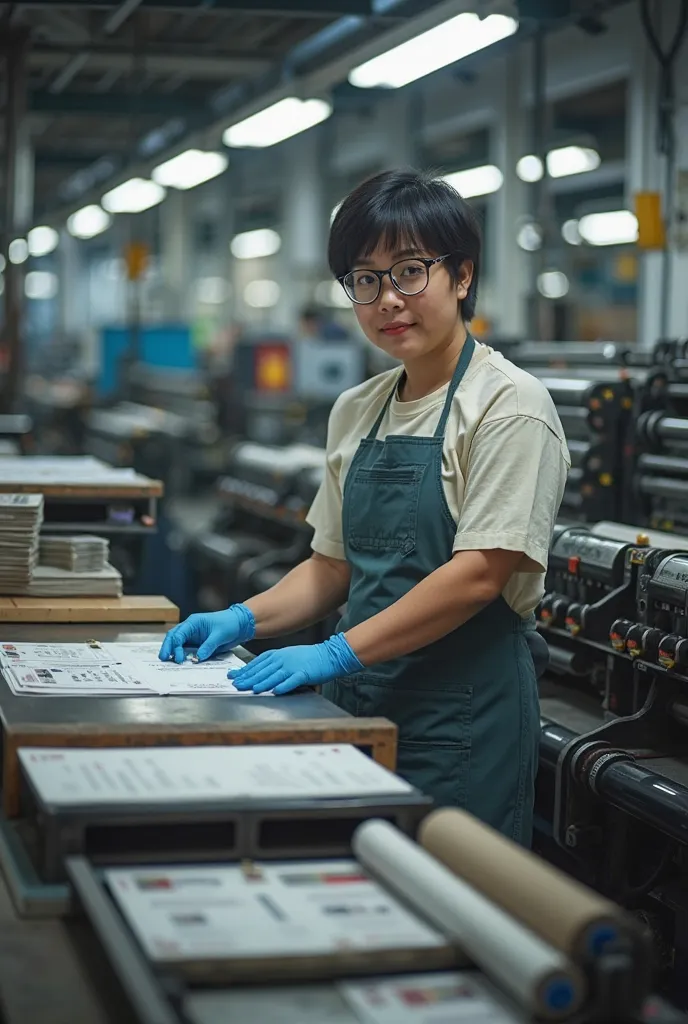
[[288, 668]]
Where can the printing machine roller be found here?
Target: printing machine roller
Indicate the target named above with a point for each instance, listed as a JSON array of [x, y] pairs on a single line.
[[260, 533]]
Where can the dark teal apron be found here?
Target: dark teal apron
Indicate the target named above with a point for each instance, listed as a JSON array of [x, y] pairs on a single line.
[[466, 705]]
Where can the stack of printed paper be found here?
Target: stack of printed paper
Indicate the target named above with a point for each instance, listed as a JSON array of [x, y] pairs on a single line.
[[76, 554], [110, 669], [21, 516], [48, 581]]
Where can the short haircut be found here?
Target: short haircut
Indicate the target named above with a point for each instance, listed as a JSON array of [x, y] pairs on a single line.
[[407, 208]]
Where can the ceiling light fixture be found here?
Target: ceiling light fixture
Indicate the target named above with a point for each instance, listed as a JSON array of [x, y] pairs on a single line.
[[252, 245], [571, 160], [560, 163], [553, 284], [616, 227], [476, 181], [42, 240], [18, 251], [189, 169], [41, 284], [570, 232], [276, 123], [133, 196], [88, 222], [530, 168], [445, 44]]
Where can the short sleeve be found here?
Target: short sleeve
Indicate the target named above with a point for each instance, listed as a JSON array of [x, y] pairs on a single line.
[[515, 478], [325, 514]]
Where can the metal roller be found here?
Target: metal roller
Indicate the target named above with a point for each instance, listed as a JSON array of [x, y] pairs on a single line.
[[656, 428], [591, 353], [563, 662], [576, 421], [553, 739], [654, 799], [569, 390], [663, 487], [579, 452], [671, 465]]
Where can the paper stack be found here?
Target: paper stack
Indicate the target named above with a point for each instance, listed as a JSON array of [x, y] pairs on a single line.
[[79, 554], [49, 581], [21, 516]]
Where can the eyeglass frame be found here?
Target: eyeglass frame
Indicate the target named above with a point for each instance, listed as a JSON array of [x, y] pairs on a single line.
[[427, 261]]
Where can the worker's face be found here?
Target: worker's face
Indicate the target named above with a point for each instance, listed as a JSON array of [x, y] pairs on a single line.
[[412, 326]]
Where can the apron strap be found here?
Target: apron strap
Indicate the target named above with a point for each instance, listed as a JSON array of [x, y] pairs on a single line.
[[372, 434], [458, 375]]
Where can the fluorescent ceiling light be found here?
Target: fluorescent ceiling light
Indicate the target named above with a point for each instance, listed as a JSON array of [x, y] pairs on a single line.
[[88, 222], [476, 181], [251, 245], [570, 232], [432, 50], [40, 284], [189, 169], [42, 240], [18, 251], [529, 168], [529, 237], [617, 227], [262, 294], [553, 284], [133, 196], [276, 123], [571, 160]]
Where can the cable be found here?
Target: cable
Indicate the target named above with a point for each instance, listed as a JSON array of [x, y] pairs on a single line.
[[666, 126]]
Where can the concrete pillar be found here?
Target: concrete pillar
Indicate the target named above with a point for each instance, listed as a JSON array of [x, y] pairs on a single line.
[[662, 300], [18, 206], [301, 262], [175, 252], [508, 271]]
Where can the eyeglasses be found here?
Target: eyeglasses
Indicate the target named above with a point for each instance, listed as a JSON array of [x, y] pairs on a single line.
[[410, 277]]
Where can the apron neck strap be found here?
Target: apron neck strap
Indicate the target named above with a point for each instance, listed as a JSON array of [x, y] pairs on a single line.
[[457, 377]]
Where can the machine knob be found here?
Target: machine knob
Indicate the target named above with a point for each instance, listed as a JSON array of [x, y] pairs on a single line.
[[559, 608], [643, 641], [574, 618], [666, 655], [618, 633], [546, 609], [673, 652], [634, 640]]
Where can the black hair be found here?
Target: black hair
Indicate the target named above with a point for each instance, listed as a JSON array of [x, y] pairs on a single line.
[[407, 207]]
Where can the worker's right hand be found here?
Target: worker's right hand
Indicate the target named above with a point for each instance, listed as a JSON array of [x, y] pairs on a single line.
[[210, 632]]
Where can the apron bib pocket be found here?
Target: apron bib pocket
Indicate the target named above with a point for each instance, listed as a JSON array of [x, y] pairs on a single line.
[[383, 509]]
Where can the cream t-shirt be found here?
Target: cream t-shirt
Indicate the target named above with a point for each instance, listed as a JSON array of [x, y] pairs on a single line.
[[504, 462]]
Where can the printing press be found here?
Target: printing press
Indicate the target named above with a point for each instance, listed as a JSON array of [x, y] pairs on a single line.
[[613, 786], [160, 876]]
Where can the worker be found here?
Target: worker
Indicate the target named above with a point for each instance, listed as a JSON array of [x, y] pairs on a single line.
[[443, 480]]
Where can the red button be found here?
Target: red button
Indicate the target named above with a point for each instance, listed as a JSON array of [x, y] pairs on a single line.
[[574, 562]]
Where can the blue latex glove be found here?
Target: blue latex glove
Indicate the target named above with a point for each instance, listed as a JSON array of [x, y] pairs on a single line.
[[290, 667], [210, 632]]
